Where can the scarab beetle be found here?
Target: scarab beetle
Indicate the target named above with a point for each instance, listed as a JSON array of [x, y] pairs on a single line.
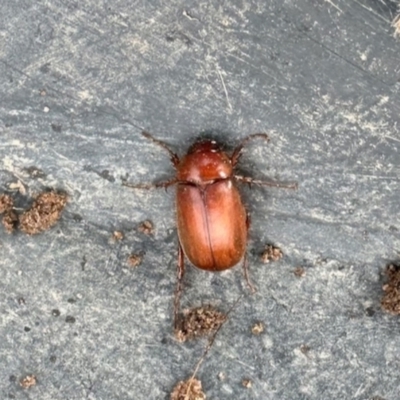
[[212, 221]]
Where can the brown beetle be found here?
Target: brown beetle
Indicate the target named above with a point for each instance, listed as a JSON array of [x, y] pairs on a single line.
[[211, 219]]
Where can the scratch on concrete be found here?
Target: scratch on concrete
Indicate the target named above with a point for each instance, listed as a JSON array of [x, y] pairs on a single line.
[[225, 90], [334, 6]]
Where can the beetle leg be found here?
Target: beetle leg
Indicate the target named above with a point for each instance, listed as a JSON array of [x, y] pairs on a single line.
[[238, 151], [246, 275], [164, 184], [249, 180], [248, 223], [179, 287], [246, 264], [174, 158]]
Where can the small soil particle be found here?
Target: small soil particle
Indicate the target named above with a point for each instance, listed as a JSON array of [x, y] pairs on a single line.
[[258, 328], [247, 383], [369, 311], [56, 128], [28, 381], [117, 235], [299, 272], [188, 390], [391, 299], [146, 227], [271, 253], [107, 175], [55, 313], [14, 186], [198, 322], [44, 213], [305, 349], [134, 260], [35, 172]]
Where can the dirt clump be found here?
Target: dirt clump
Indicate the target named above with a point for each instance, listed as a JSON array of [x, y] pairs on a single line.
[[198, 322], [271, 253], [188, 390], [10, 218], [6, 203], [44, 213], [391, 299], [10, 221]]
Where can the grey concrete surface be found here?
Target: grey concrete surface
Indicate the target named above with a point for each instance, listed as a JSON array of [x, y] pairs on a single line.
[[78, 83]]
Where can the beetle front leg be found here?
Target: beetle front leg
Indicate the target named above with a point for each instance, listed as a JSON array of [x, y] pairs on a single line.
[[251, 181], [238, 151], [179, 287], [173, 157], [246, 264], [164, 184]]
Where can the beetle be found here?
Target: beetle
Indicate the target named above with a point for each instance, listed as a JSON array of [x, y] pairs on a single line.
[[212, 221]]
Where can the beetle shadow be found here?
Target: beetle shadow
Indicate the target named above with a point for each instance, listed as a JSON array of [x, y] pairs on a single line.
[[221, 137]]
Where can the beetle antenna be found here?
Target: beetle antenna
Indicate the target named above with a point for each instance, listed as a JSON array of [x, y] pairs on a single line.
[[179, 285], [174, 158], [238, 150]]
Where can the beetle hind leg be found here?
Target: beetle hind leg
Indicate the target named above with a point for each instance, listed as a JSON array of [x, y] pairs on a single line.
[[246, 264], [246, 275], [179, 288]]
